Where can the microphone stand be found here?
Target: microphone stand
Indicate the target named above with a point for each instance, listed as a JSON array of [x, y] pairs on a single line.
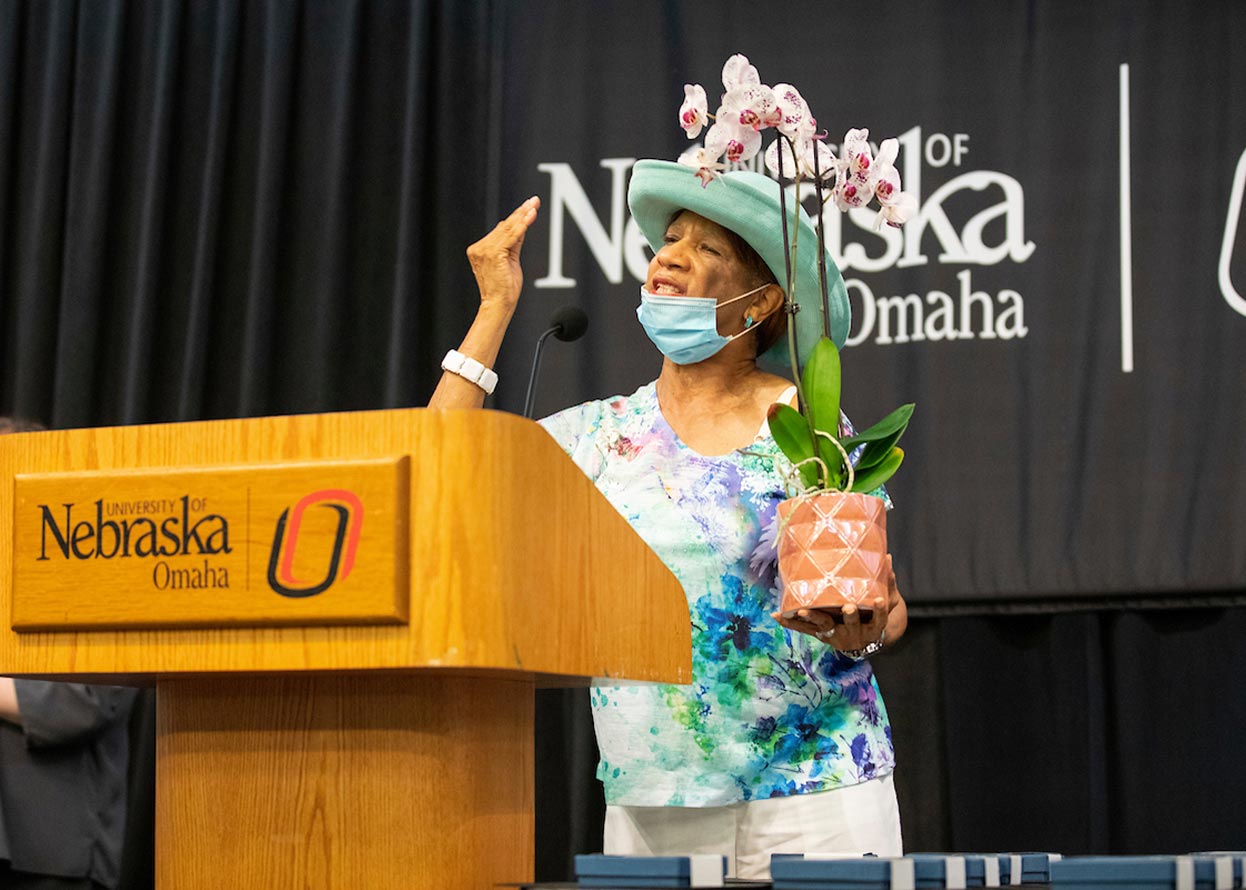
[[536, 364]]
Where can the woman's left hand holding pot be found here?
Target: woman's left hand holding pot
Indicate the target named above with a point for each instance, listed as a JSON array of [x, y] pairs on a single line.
[[848, 632]]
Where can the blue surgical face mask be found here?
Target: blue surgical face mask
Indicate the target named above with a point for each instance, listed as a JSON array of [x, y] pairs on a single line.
[[685, 329]]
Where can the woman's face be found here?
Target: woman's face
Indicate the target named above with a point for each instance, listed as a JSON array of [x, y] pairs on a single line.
[[697, 260]]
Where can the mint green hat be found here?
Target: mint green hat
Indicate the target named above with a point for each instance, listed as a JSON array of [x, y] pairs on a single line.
[[747, 203]]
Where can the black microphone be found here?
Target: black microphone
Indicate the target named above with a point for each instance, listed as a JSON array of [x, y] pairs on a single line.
[[569, 323]]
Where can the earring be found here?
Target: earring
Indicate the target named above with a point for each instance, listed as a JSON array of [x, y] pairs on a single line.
[[748, 322]]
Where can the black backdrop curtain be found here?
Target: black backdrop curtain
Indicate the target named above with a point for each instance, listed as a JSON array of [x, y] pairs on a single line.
[[237, 207]]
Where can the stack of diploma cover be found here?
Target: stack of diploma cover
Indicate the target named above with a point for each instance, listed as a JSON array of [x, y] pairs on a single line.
[[1199, 872], [1219, 869], [640, 872], [960, 870], [916, 871], [811, 872]]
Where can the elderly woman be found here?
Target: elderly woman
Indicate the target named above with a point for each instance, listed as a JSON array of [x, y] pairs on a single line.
[[781, 743]]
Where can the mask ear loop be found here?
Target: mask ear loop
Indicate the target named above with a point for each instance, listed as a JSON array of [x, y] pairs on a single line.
[[741, 297], [748, 319]]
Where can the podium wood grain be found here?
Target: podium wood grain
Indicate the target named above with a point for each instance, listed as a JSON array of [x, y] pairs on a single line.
[[516, 561], [387, 783], [373, 756]]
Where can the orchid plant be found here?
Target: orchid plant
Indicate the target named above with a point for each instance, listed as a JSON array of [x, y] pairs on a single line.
[[809, 437], [748, 108]]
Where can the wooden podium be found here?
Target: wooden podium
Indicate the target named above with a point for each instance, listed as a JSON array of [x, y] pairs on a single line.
[[344, 616]]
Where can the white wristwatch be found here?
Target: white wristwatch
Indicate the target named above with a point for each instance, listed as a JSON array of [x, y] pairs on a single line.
[[469, 369]]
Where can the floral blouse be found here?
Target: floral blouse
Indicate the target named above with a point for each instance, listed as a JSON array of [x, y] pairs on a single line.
[[770, 712]]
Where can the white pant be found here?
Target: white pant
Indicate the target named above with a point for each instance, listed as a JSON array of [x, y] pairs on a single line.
[[857, 819]]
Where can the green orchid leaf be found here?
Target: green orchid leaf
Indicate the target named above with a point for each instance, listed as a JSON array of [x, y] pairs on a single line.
[[875, 476], [896, 420], [791, 433], [880, 438], [874, 452], [821, 384]]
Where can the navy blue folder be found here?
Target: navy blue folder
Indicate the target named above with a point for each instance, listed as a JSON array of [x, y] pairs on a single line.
[[597, 870]]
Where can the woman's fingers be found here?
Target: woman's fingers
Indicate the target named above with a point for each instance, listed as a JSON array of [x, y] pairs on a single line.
[[820, 621], [523, 216], [867, 630], [529, 208], [508, 234], [806, 621], [879, 619], [495, 257], [851, 634], [516, 225], [893, 589]]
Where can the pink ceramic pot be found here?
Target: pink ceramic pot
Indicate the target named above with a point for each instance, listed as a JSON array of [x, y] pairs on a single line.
[[832, 551]]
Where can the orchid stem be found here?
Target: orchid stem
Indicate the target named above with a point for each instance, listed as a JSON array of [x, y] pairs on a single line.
[[789, 256], [826, 305], [792, 307]]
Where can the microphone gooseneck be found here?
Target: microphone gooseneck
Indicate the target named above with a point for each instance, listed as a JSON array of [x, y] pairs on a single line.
[[567, 324]]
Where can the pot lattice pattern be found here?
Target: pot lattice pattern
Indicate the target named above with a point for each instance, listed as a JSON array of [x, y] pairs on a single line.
[[833, 551]]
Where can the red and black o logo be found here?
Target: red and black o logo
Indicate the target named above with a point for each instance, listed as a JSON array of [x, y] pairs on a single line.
[[349, 510]]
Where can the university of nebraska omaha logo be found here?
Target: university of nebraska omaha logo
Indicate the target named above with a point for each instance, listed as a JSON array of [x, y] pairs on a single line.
[[349, 510]]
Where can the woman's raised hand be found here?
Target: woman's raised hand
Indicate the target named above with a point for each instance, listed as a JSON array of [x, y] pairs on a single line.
[[495, 258], [495, 263]]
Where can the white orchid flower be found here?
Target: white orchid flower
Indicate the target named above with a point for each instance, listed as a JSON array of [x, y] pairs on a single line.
[[733, 136], [857, 179], [694, 113], [750, 105], [738, 72], [788, 170], [795, 117], [743, 141], [895, 206], [806, 148], [706, 158], [886, 156]]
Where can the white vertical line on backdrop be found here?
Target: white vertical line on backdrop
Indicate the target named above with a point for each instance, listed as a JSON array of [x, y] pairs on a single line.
[[1127, 278]]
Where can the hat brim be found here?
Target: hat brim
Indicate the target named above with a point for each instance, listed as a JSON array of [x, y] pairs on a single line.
[[747, 203]]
